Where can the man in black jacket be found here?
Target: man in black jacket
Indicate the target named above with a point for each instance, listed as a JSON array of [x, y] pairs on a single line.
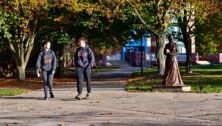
[[83, 60], [47, 64]]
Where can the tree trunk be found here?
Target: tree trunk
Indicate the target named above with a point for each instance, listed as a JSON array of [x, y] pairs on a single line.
[[189, 58], [60, 70], [184, 24], [187, 43], [160, 54], [21, 53], [21, 72]]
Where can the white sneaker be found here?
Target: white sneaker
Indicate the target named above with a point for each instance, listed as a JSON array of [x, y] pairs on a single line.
[[87, 95], [79, 97]]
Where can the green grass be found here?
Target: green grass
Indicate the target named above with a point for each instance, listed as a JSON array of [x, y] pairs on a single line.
[[207, 67], [12, 92], [99, 69], [145, 82], [103, 69], [205, 79]]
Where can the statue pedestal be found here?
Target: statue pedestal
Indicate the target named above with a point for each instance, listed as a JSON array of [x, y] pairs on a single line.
[[184, 88]]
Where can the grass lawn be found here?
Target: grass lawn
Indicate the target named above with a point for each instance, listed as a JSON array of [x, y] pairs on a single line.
[[205, 79], [12, 92], [103, 69], [71, 71]]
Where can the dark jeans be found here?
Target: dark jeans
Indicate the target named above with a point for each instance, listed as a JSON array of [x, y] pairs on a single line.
[[80, 73], [48, 78]]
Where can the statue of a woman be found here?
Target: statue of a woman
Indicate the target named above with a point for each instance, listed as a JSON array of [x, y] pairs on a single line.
[[172, 72]]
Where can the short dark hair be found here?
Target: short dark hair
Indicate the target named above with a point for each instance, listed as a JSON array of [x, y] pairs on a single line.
[[170, 37], [83, 39], [44, 42]]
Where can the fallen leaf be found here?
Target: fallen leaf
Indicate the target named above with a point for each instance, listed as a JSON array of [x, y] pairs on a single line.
[[108, 113]]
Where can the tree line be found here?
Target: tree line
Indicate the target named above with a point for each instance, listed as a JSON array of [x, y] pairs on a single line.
[[107, 24]]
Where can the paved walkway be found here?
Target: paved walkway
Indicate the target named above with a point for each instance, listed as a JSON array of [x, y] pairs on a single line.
[[110, 105]]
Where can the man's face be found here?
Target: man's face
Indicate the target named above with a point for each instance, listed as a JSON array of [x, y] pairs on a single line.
[[82, 43], [47, 45]]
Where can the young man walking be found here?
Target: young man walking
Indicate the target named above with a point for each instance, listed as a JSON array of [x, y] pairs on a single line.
[[83, 60], [47, 64]]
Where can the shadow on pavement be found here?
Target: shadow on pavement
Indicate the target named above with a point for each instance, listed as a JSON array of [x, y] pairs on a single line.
[[72, 99], [218, 99], [20, 97]]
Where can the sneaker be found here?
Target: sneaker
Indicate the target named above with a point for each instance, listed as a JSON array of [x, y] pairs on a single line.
[[79, 97], [52, 96], [87, 96], [45, 98]]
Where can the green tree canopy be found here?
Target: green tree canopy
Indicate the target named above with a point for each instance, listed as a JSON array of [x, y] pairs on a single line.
[[19, 24]]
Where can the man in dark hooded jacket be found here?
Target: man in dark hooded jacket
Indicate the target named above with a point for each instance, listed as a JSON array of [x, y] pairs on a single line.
[[83, 60]]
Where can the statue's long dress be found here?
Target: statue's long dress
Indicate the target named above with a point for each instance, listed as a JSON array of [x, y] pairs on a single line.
[[172, 75]]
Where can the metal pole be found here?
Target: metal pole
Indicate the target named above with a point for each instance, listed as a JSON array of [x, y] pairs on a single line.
[[141, 57]]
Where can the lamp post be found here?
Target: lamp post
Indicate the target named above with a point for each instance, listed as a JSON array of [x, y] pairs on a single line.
[[141, 52], [138, 32], [146, 35]]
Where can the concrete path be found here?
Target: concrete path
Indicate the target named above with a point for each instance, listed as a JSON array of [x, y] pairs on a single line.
[[110, 105]]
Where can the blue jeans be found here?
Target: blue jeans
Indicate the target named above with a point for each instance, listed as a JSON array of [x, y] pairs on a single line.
[[48, 78], [82, 72]]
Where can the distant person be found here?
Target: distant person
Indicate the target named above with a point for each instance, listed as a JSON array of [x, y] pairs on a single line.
[[172, 72], [47, 64], [83, 60]]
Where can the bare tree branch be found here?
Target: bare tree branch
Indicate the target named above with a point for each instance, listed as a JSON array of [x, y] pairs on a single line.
[[29, 48], [138, 14]]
